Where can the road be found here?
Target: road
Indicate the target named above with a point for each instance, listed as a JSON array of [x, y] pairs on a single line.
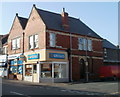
[[27, 90]]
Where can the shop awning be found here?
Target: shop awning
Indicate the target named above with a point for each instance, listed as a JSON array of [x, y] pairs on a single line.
[[15, 56]]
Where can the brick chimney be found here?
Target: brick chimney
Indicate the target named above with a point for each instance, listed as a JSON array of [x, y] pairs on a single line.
[[65, 22]]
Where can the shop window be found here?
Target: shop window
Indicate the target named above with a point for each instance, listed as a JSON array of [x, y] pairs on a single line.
[[46, 70], [59, 70], [12, 62], [34, 68], [20, 69], [52, 39], [28, 70], [13, 69]]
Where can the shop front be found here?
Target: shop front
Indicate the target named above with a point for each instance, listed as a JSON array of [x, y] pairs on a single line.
[[3, 66], [46, 66], [15, 67]]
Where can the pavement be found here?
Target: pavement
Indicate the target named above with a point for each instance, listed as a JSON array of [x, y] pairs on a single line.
[[107, 87]]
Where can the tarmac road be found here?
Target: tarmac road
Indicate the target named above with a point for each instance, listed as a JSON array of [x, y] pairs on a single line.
[[11, 87]]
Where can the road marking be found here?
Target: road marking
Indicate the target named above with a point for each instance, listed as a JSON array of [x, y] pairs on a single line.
[[64, 90], [115, 93], [16, 93]]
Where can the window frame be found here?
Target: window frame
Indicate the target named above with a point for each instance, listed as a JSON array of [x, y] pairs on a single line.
[[52, 41], [15, 44], [33, 41], [85, 44]]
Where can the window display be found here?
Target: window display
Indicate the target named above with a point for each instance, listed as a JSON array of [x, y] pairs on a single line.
[[13, 69], [46, 70], [59, 70], [28, 70]]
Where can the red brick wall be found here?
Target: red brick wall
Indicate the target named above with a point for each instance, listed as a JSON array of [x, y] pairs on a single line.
[[94, 64], [75, 68], [97, 45]]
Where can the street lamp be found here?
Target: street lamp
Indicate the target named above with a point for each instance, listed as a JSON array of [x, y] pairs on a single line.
[[86, 54]]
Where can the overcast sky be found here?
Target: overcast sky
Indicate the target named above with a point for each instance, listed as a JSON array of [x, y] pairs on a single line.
[[102, 17]]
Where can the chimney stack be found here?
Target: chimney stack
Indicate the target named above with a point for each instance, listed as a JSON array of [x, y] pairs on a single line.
[[65, 21]]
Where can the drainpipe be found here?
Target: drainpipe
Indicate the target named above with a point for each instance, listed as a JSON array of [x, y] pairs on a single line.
[[23, 54], [71, 57]]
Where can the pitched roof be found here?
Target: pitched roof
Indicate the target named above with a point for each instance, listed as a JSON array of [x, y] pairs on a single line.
[[108, 44], [23, 21], [54, 21], [4, 39]]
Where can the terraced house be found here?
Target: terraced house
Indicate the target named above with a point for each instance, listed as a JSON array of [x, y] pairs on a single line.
[[54, 47]]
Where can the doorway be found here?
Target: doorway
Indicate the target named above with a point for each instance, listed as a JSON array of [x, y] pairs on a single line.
[[82, 69], [35, 75]]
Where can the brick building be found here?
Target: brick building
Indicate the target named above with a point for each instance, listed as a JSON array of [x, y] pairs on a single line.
[[15, 47], [111, 53], [56, 47], [3, 56]]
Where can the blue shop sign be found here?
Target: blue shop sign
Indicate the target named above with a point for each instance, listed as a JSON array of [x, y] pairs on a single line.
[[12, 62], [56, 55], [20, 62], [33, 56], [20, 69]]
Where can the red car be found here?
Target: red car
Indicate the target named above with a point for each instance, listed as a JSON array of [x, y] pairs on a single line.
[[111, 71]]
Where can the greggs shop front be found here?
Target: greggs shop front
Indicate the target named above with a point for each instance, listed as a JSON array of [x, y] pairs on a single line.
[[46, 66]]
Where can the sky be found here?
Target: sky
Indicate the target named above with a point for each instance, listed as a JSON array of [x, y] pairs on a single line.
[[101, 17]]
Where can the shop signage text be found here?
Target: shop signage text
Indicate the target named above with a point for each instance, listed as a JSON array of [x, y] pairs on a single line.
[[56, 55], [33, 56]]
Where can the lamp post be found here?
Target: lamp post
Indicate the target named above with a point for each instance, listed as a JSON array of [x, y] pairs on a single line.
[[86, 55]]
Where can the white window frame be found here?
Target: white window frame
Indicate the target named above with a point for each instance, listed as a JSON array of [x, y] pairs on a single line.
[[52, 39], [36, 41], [89, 44], [33, 42], [16, 43], [80, 44]]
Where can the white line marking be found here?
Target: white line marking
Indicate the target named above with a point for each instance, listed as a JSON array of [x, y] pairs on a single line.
[[16, 93], [64, 90]]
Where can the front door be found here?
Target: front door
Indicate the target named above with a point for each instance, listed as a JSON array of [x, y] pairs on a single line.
[[35, 75], [82, 69]]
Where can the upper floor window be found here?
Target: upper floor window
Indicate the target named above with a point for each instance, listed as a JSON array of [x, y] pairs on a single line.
[[16, 43], [33, 41], [89, 45], [52, 39], [105, 52], [5, 50], [80, 44], [84, 44]]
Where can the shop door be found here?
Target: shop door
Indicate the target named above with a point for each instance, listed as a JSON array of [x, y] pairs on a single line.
[[35, 75], [82, 69]]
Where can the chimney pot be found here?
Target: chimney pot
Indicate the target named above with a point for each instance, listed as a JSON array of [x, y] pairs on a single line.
[[16, 14], [34, 5]]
